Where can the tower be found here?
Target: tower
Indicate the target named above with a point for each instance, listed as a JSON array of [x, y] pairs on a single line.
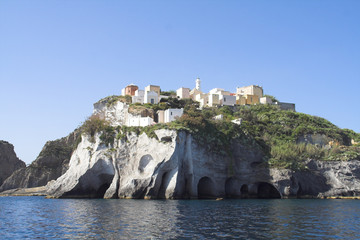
[[198, 84]]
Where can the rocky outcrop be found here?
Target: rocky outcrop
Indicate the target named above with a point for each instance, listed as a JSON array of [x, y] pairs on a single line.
[[177, 166], [321, 179], [115, 113], [9, 162], [52, 162], [36, 191]]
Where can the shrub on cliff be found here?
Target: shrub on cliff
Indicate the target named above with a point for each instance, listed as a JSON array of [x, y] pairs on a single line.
[[93, 125]]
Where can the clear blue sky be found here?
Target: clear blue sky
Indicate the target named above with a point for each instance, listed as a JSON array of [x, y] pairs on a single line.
[[59, 57]]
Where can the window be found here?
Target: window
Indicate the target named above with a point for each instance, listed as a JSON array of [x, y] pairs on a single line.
[[171, 113], [224, 99]]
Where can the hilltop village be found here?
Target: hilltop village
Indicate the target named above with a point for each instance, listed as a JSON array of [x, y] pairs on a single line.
[[249, 95]]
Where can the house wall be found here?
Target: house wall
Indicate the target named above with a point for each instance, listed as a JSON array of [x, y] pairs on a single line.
[[183, 93], [137, 99], [240, 100], [227, 100], [153, 88], [151, 97], [137, 121], [161, 116], [193, 93], [285, 106], [172, 113], [252, 99], [213, 100], [146, 121], [130, 90], [247, 99], [219, 91], [139, 93], [265, 100], [250, 90]]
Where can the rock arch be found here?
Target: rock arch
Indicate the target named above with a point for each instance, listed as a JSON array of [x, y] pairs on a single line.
[[206, 188], [267, 190], [94, 182]]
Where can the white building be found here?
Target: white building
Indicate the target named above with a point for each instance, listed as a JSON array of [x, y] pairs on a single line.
[[213, 100], [183, 93], [138, 97], [172, 114], [227, 100], [138, 121], [151, 97], [265, 100], [219, 91]]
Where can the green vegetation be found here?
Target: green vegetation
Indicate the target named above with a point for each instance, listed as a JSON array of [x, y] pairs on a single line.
[[168, 93], [166, 103], [277, 133], [56, 148], [111, 100], [93, 125]]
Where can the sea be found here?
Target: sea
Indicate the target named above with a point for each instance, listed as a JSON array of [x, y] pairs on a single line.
[[40, 218]]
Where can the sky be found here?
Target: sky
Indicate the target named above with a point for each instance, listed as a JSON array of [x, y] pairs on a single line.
[[59, 57]]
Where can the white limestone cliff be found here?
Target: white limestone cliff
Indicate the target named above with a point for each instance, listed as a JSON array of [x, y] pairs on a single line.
[[116, 114]]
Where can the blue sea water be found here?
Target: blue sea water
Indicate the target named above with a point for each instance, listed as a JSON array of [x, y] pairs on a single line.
[[40, 218]]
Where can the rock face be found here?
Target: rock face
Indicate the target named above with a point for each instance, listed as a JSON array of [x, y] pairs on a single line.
[[9, 162], [177, 166], [174, 166], [116, 114], [52, 162], [322, 179]]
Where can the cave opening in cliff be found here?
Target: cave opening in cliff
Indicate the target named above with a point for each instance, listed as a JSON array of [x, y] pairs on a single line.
[[266, 190], [244, 191], [163, 186], [84, 189], [206, 188], [231, 188]]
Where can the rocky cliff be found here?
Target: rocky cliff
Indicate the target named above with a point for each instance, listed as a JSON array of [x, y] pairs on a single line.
[[9, 162], [176, 166], [169, 166], [52, 162]]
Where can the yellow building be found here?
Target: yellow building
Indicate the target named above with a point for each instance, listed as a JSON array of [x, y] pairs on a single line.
[[247, 99], [250, 90], [153, 88], [252, 99]]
